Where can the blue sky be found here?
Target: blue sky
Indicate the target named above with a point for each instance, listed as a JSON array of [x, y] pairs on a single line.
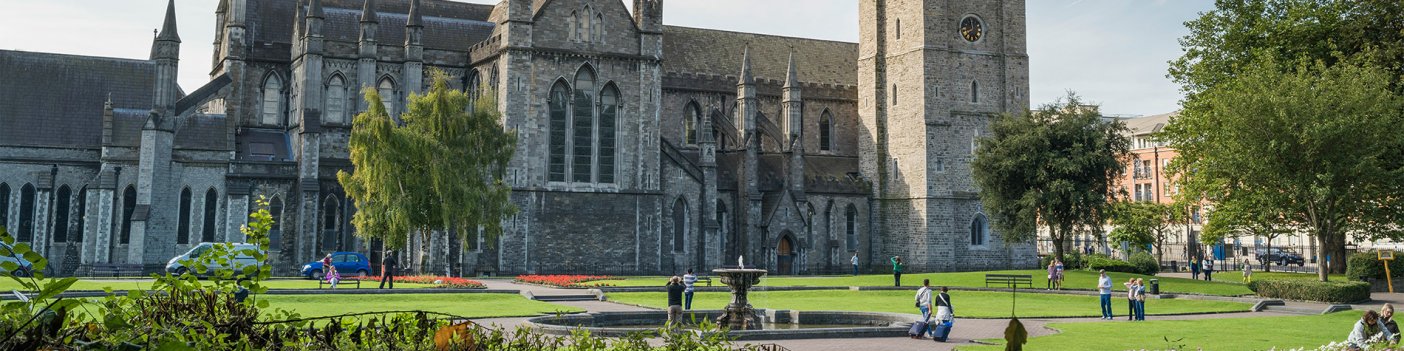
[[1112, 52]]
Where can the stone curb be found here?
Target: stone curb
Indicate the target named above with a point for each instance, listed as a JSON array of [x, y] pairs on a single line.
[[96, 293]]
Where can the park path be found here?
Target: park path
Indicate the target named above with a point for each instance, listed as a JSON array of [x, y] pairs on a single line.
[[965, 331]]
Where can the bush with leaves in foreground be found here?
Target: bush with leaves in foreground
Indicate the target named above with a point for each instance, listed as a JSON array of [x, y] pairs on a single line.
[[226, 312], [1311, 290]]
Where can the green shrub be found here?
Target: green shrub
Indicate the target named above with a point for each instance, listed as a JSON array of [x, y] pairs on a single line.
[[1364, 266], [1099, 262], [1145, 263], [1311, 290]]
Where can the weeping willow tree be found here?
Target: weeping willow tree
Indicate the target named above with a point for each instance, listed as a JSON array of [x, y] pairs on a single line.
[[442, 169]]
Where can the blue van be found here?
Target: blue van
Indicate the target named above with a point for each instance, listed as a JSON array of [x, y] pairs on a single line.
[[347, 264]]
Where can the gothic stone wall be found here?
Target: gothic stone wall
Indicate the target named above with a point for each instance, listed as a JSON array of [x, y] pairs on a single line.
[[558, 232]]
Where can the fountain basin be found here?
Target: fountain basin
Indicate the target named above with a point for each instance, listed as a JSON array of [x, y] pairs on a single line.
[[775, 324]]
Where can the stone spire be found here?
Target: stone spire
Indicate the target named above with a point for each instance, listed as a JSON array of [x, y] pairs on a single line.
[[315, 9], [746, 77], [368, 12], [415, 20], [168, 29], [792, 74]]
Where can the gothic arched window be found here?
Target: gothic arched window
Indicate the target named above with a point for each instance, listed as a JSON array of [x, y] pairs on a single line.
[[61, 214], [690, 115], [76, 236], [26, 227], [850, 216], [336, 100], [680, 225], [974, 92], [979, 230], [722, 226], [826, 131], [386, 89], [272, 100], [330, 209], [211, 208], [183, 230], [275, 234], [128, 205], [609, 113], [559, 105], [583, 125], [573, 22]]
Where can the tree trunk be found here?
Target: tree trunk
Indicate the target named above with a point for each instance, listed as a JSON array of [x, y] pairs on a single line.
[[1321, 258], [1267, 266], [1057, 242]]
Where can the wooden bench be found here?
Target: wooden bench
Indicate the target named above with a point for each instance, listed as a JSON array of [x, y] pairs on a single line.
[[323, 283], [1009, 280], [704, 279], [115, 269]]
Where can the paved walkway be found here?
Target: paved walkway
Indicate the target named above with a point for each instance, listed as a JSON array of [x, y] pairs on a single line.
[[965, 331]]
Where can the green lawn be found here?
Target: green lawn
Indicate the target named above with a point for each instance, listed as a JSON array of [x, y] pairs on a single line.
[[977, 304], [1084, 280], [7, 284], [474, 305], [1257, 333]]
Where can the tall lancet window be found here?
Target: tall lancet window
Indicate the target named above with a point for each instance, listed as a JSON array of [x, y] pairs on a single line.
[[583, 125], [559, 106], [386, 89], [826, 131], [336, 100], [690, 117], [609, 111], [272, 111]]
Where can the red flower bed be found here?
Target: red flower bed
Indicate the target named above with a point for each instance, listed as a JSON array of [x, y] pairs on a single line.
[[565, 281], [439, 281]]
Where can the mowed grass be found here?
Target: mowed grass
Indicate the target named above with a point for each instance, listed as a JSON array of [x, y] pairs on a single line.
[[1077, 280], [474, 305], [98, 284], [974, 304], [1255, 333]]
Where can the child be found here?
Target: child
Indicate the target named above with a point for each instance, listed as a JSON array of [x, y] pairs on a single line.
[[332, 276]]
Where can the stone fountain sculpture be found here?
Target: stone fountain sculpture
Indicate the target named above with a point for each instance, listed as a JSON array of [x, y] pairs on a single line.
[[739, 315]]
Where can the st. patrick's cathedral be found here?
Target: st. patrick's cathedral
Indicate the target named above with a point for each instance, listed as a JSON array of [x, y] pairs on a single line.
[[643, 148]]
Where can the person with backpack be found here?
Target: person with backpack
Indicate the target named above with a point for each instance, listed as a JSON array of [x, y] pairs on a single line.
[[923, 299], [945, 316], [1208, 270]]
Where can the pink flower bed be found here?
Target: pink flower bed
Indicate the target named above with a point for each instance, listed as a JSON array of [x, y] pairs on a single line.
[[442, 282]]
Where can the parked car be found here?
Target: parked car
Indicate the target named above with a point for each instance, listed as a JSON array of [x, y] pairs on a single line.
[[1279, 256], [346, 263], [241, 259], [24, 269]]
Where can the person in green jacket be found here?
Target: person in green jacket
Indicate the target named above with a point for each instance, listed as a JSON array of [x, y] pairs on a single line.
[[896, 270]]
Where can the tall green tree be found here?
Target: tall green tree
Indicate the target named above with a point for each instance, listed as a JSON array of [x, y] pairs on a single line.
[[1232, 35], [1317, 143], [443, 169], [1255, 217], [1139, 223], [1055, 166]]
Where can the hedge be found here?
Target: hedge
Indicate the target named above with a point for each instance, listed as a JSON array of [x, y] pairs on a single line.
[[1071, 260], [1145, 263], [1312, 290], [1097, 262], [1365, 266]]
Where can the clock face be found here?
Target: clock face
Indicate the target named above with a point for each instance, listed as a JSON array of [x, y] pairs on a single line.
[[971, 28]]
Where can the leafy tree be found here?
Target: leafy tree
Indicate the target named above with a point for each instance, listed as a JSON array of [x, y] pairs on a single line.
[[1230, 37], [442, 169], [1138, 223], [1248, 216], [1313, 142], [1055, 166]]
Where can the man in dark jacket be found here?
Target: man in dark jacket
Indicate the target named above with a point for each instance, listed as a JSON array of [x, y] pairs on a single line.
[[675, 300], [387, 269]]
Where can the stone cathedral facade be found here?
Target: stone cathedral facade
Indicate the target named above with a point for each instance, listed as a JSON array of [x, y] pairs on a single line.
[[643, 148]]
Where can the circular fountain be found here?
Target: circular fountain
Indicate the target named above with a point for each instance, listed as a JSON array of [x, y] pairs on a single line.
[[739, 315]]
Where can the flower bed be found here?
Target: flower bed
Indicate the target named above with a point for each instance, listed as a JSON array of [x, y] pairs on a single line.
[[565, 281], [438, 281]]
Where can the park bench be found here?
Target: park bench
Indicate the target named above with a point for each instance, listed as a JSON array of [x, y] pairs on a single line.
[[704, 279], [353, 280], [1008, 280], [115, 269]]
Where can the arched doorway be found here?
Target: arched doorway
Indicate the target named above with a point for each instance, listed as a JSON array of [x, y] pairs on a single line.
[[786, 253]]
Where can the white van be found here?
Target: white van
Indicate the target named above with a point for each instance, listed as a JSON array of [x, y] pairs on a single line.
[[241, 259]]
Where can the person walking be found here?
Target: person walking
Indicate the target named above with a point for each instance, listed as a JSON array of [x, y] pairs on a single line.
[[675, 300], [1058, 275], [1104, 288], [945, 314], [1247, 273], [923, 299], [327, 264], [1052, 270], [689, 280], [1194, 269], [1209, 270], [387, 269], [855, 263], [896, 270]]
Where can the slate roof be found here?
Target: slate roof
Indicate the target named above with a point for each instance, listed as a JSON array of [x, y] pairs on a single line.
[[1149, 124], [202, 132], [447, 25], [718, 52], [57, 100]]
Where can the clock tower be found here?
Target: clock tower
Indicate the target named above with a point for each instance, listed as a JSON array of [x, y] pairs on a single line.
[[931, 76]]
